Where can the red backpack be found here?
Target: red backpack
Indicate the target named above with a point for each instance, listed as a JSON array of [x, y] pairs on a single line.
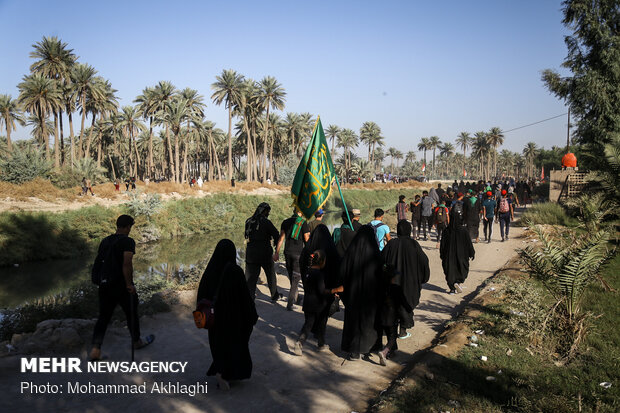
[[504, 206]]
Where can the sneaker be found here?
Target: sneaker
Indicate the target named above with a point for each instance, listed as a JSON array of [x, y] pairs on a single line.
[[221, 383], [506, 236], [354, 356], [382, 358], [452, 292], [489, 241], [289, 307], [458, 288], [323, 347], [276, 297], [298, 348], [502, 239], [404, 336]]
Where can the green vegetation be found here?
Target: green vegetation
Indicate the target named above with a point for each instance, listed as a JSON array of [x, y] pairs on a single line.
[[517, 342], [33, 236], [548, 213]]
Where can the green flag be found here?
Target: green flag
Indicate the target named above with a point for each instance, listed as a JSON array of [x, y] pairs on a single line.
[[313, 180]]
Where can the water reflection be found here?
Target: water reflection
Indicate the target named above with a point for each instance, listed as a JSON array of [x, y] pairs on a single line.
[[168, 258]]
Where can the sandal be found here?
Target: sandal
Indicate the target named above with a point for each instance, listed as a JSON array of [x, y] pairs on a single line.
[[143, 343]]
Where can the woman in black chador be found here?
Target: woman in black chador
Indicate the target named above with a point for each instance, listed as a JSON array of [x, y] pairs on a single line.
[[361, 270], [455, 251], [321, 239], [412, 270], [235, 316]]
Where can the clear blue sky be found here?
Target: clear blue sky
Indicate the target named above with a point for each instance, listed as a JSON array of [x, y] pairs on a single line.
[[416, 68]]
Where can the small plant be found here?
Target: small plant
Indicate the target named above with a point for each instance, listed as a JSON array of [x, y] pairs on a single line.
[[566, 265], [594, 211], [147, 206]]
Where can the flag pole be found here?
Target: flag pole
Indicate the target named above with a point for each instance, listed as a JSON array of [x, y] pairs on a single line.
[[346, 210]]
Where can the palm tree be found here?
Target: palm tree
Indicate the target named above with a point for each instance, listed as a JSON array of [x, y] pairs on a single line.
[[496, 138], [55, 61], [10, 113], [464, 141], [410, 157], [194, 104], [332, 132], [370, 134], [271, 95], [424, 146], [391, 152], [40, 96], [130, 125], [530, 151], [398, 155], [481, 151], [293, 125], [228, 88], [446, 151], [347, 139], [82, 77], [163, 93], [146, 105], [434, 143]]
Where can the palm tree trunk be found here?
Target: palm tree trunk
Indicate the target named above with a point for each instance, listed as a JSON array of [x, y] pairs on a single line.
[[62, 139], [56, 143], [9, 145], [170, 156], [176, 157], [99, 149], [45, 135], [229, 141], [112, 167], [83, 101], [72, 139], [150, 164], [265, 136], [271, 158], [90, 135]]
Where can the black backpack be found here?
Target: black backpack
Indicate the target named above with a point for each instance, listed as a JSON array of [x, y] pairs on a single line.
[[457, 211], [375, 227], [105, 267]]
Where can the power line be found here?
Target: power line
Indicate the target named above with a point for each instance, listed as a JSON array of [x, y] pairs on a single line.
[[535, 123]]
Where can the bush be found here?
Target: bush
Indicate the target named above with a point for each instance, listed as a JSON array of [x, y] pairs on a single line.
[[24, 165], [146, 206], [548, 213], [66, 178]]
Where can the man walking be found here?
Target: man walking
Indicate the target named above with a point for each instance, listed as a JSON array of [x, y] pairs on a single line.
[[427, 213], [116, 286], [488, 207], [416, 215], [506, 213], [442, 220], [382, 231], [402, 208], [294, 232], [318, 220], [259, 231]]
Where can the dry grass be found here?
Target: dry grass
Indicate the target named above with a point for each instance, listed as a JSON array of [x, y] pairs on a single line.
[[38, 188]]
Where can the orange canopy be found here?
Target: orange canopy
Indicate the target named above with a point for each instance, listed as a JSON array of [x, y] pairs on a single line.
[[569, 160]]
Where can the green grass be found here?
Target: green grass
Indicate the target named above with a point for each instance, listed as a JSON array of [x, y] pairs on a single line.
[[548, 213], [528, 382]]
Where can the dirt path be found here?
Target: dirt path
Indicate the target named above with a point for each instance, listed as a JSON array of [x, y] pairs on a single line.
[[281, 381]]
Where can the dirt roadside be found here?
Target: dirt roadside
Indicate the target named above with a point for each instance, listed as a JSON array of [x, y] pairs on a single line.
[[281, 381]]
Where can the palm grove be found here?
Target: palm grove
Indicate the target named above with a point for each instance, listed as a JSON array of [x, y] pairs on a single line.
[[165, 133]]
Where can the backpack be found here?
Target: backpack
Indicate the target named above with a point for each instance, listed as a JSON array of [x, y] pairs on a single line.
[[375, 228], [103, 270], [440, 215], [204, 315], [504, 206], [458, 210]]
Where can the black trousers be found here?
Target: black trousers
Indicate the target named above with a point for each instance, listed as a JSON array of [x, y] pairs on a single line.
[[488, 228], [294, 276], [427, 221], [109, 297], [440, 228], [252, 271], [313, 322], [416, 223]]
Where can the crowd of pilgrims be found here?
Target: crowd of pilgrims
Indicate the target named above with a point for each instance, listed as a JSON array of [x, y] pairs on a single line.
[[377, 278]]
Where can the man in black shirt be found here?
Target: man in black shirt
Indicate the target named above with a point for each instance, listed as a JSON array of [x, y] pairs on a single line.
[[296, 232], [355, 219], [117, 286], [260, 232]]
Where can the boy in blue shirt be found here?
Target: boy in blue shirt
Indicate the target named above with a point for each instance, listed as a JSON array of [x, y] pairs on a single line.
[[381, 229]]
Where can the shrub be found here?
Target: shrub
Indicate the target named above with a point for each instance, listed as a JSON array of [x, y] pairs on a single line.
[[147, 205], [548, 213], [24, 165]]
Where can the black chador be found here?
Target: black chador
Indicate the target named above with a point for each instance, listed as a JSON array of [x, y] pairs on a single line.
[[412, 269], [361, 270], [235, 317], [455, 251]]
